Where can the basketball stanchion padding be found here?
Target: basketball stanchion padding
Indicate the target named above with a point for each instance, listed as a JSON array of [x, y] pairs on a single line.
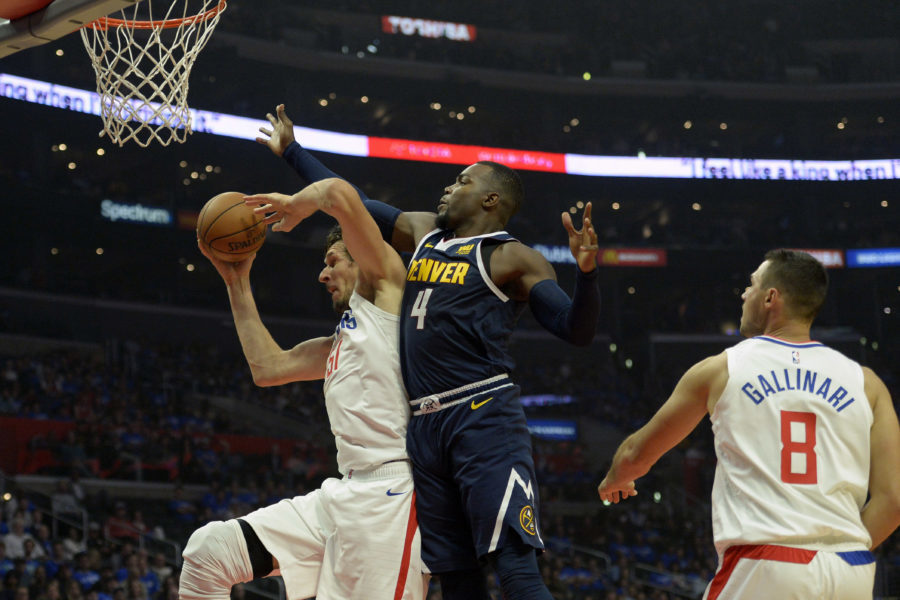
[[143, 65]]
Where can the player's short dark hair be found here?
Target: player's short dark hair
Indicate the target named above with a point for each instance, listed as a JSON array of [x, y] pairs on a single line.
[[800, 277], [335, 235], [509, 182]]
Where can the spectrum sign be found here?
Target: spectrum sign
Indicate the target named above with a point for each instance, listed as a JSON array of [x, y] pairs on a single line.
[[135, 213]]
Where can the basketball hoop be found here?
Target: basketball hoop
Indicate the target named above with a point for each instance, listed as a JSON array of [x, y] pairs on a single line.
[[143, 65]]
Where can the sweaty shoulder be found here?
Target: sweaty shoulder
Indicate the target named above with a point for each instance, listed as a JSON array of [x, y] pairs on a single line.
[[517, 268]]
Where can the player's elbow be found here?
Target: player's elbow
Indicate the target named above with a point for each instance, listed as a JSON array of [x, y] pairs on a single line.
[[263, 381], [263, 377]]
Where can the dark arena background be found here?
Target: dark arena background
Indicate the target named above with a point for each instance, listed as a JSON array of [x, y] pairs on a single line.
[[128, 416]]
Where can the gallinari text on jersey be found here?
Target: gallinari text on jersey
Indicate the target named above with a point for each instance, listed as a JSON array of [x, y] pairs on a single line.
[[802, 380]]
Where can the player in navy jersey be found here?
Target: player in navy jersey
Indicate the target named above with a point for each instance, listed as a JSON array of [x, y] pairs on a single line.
[[466, 286]]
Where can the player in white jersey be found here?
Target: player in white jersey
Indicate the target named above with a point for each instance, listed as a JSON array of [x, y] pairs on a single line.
[[355, 537], [802, 434]]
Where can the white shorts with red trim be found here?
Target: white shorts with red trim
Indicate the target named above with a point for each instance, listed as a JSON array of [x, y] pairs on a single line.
[[769, 571], [354, 538]]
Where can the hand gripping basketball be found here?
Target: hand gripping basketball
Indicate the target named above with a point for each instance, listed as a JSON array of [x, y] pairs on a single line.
[[281, 211], [228, 229]]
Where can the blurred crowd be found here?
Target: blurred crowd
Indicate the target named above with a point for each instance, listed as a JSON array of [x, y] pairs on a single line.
[[72, 544]]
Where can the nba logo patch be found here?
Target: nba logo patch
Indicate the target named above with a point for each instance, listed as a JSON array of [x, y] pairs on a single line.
[[795, 357]]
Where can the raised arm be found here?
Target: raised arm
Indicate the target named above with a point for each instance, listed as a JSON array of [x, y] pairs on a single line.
[[881, 515], [402, 230], [269, 363], [529, 276], [673, 422], [380, 267]]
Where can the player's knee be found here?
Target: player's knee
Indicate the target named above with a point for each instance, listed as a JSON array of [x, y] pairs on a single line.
[[215, 558], [203, 542]]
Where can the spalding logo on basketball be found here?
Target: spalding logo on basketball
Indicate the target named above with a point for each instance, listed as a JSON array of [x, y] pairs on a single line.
[[228, 228]]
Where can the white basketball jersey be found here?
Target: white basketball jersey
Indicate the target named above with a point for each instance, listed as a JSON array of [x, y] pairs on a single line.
[[364, 395], [792, 442]]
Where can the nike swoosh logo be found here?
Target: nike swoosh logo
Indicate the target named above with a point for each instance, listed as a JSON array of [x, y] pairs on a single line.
[[390, 493], [477, 405]]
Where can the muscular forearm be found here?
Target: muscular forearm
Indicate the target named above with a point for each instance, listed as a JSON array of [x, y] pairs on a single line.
[[260, 348], [881, 518], [628, 464]]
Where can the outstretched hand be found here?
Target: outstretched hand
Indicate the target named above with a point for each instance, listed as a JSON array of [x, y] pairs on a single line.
[[613, 493], [282, 133], [280, 211], [582, 242], [231, 272]]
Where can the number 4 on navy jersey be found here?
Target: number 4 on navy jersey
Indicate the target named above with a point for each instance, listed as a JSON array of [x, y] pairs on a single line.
[[420, 306]]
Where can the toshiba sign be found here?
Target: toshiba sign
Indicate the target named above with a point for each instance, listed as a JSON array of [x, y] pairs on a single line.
[[458, 32]]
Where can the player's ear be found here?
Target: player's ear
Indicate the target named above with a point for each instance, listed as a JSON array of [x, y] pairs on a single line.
[[491, 199]]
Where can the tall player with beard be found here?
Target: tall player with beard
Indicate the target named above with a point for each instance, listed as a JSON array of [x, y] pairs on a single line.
[[355, 537], [467, 284]]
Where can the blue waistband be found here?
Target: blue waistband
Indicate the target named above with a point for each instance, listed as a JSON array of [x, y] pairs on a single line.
[[857, 557]]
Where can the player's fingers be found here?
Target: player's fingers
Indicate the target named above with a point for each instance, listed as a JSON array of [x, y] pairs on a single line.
[[588, 237], [587, 211], [265, 210], [271, 119], [567, 223], [265, 131], [256, 199]]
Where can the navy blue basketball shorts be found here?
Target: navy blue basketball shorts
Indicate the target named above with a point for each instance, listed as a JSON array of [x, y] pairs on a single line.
[[474, 476]]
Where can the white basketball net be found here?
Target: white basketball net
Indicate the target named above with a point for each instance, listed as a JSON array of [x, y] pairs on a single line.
[[143, 64]]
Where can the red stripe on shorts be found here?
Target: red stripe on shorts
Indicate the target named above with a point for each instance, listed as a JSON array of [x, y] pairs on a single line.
[[411, 526], [755, 552]]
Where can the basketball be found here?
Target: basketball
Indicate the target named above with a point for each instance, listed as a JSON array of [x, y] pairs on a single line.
[[228, 228]]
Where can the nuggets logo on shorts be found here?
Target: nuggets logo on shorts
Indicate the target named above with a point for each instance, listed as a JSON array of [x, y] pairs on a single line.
[[526, 520]]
